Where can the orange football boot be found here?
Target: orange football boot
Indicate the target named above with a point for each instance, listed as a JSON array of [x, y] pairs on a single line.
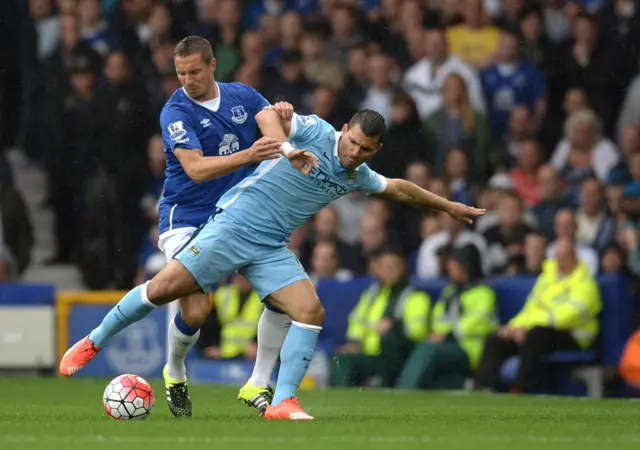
[[78, 356], [288, 409]]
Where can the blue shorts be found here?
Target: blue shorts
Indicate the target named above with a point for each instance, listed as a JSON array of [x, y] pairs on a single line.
[[223, 247]]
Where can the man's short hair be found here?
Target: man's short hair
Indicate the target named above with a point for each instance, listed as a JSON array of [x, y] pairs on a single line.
[[371, 123], [194, 44]]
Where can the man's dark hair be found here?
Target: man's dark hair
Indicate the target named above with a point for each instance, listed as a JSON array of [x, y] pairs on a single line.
[[194, 44], [371, 123]]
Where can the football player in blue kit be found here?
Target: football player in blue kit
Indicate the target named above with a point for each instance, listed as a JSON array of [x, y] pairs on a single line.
[[249, 234], [206, 127]]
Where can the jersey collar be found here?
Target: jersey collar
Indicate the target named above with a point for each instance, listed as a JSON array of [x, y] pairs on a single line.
[[211, 105]]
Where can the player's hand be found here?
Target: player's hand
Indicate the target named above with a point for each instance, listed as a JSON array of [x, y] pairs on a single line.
[[464, 213], [384, 326], [263, 149], [505, 332], [212, 352], [284, 110], [303, 160], [519, 335]]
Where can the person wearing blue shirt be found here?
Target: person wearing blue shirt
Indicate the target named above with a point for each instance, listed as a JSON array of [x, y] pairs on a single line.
[[205, 128], [249, 232], [510, 82]]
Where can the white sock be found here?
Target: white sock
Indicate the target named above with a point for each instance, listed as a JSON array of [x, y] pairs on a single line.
[[179, 344], [272, 330]]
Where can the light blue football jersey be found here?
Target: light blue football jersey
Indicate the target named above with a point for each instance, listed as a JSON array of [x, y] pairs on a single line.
[[277, 198]]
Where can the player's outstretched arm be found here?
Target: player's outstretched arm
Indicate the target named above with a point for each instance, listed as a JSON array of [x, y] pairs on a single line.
[[403, 191], [204, 168]]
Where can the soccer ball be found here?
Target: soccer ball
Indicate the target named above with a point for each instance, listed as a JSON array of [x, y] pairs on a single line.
[[128, 397]]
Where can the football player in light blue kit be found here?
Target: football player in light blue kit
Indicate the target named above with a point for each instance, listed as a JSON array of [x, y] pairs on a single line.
[[250, 230], [206, 127]]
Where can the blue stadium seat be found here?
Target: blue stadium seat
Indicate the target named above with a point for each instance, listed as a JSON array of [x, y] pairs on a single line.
[[339, 298]]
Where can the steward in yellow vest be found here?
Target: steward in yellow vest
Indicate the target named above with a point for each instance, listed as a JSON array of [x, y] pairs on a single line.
[[462, 319], [231, 327], [389, 318], [560, 314]]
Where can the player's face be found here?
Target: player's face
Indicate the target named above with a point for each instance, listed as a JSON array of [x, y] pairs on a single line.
[[195, 75], [355, 147]]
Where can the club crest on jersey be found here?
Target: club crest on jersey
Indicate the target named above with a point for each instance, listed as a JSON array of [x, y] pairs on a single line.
[[238, 114], [194, 250], [176, 130], [229, 145]]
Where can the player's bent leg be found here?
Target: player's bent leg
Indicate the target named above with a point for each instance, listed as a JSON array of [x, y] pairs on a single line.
[[300, 301], [184, 331], [272, 330], [172, 282]]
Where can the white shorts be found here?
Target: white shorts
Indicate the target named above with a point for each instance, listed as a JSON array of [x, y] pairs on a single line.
[[169, 243]]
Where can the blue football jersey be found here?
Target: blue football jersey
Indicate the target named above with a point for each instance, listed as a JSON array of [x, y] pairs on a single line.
[[218, 127], [277, 198]]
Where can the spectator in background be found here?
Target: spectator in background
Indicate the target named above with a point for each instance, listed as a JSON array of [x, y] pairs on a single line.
[[506, 239], [318, 67], [456, 174], [588, 65], [555, 21], [231, 327], [326, 224], [325, 264], [521, 128], [475, 40], [150, 259], [46, 25], [344, 34], [524, 176], [613, 260], [630, 112], [16, 232], [510, 82], [157, 165], [373, 236], [584, 152], [510, 13], [326, 106], [228, 38], [596, 228], [462, 318], [424, 80], [357, 82], [291, 85], [379, 94], [575, 99], [453, 235], [290, 30], [629, 145], [406, 221], [403, 141], [566, 227], [389, 319], [206, 24], [94, 30], [560, 314], [457, 124], [530, 261], [535, 47], [553, 198]]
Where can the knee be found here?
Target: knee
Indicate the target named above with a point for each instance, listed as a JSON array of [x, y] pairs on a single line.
[[195, 311], [159, 291], [312, 313]]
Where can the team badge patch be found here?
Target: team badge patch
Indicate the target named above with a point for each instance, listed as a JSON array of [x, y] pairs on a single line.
[[238, 114], [176, 130], [194, 250]]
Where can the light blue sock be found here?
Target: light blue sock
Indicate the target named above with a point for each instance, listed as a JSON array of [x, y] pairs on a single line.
[[133, 307], [295, 357]]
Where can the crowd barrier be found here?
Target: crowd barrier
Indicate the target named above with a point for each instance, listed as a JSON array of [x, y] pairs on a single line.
[[37, 325]]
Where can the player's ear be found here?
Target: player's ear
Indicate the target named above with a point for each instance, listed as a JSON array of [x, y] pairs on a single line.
[[213, 64], [345, 127]]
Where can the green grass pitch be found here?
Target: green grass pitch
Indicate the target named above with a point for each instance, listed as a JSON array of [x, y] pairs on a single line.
[[51, 414]]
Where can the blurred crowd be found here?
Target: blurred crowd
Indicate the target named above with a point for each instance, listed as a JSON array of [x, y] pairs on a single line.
[[530, 109]]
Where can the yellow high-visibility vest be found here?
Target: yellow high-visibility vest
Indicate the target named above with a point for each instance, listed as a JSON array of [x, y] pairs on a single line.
[[238, 326]]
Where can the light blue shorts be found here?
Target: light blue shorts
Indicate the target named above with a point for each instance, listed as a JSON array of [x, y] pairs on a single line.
[[223, 247]]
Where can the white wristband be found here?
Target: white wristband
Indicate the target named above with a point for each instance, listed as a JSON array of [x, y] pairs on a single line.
[[286, 148]]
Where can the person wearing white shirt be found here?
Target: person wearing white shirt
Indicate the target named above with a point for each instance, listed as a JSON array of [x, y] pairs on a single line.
[[424, 80], [452, 234]]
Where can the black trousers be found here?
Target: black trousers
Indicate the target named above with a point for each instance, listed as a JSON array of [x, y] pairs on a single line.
[[540, 341]]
